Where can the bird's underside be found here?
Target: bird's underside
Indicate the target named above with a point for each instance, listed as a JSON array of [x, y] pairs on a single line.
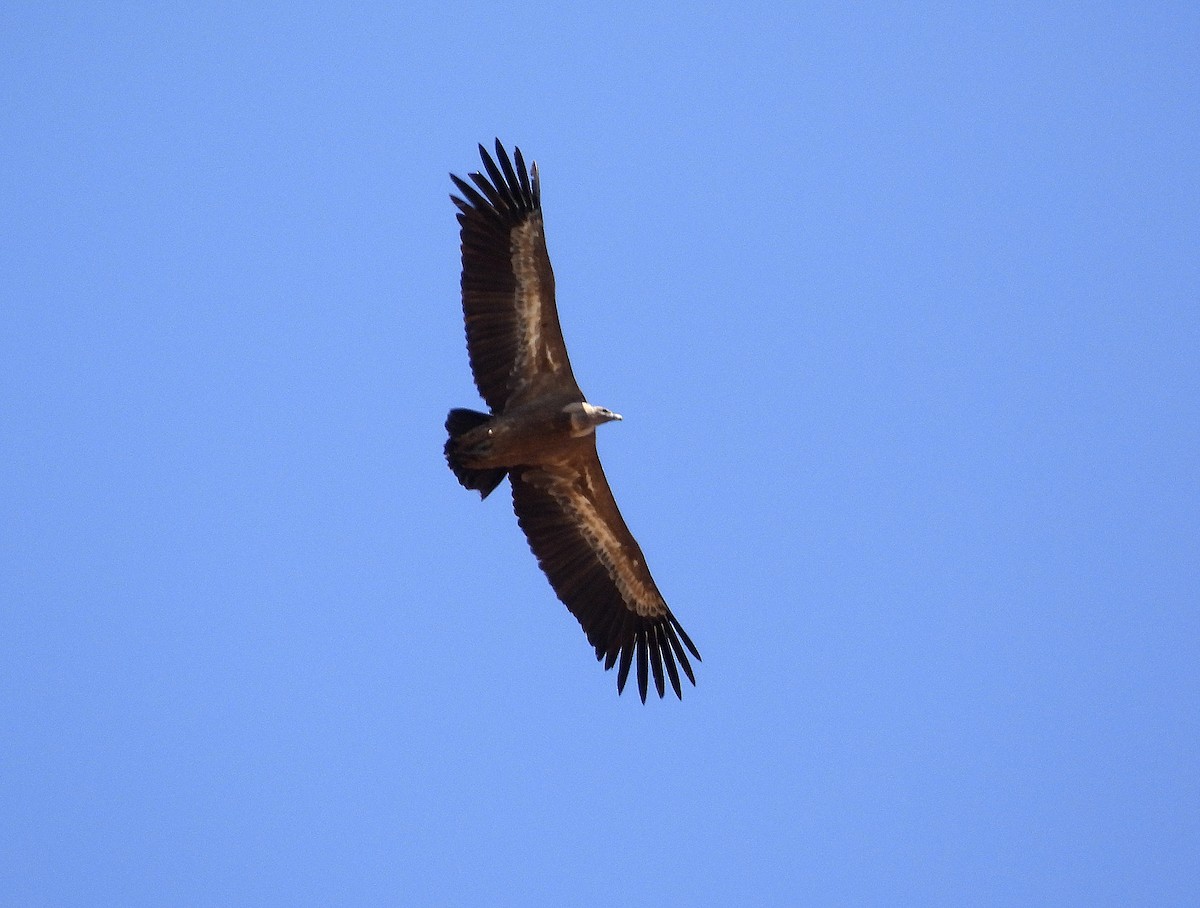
[[540, 432]]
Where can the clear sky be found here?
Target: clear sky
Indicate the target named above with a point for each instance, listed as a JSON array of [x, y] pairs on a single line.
[[901, 304]]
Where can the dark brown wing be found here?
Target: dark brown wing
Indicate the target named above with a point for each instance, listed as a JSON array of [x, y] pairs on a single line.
[[598, 571], [513, 336]]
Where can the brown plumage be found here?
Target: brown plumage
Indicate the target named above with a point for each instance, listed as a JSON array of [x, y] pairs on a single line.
[[541, 431]]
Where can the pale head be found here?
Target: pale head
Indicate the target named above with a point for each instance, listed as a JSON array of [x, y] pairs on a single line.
[[585, 417]]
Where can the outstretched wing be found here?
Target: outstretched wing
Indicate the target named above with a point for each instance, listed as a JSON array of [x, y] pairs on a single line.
[[598, 571], [513, 336]]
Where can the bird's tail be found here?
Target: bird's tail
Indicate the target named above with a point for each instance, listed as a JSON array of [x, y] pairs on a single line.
[[459, 422]]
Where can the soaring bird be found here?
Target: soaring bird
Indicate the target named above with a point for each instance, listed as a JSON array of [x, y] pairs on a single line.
[[541, 431]]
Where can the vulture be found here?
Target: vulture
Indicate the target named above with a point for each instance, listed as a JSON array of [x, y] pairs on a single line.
[[541, 431]]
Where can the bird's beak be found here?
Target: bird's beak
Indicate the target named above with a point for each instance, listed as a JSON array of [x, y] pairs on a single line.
[[618, 417]]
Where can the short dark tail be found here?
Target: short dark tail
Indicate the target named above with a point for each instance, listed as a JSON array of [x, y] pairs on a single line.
[[482, 481]]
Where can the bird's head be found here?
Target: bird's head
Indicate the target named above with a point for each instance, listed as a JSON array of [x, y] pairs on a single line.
[[585, 417], [600, 414]]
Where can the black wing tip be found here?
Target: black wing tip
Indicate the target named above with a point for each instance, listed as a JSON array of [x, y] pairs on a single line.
[[501, 152], [509, 188], [659, 653]]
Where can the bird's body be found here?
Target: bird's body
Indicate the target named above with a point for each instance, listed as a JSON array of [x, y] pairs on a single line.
[[541, 432]]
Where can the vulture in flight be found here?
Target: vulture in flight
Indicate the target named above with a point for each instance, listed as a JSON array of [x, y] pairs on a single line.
[[541, 432]]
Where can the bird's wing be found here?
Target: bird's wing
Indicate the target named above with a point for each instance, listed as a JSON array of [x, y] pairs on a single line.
[[513, 336], [597, 569]]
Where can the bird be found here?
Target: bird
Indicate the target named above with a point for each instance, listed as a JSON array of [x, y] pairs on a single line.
[[540, 431]]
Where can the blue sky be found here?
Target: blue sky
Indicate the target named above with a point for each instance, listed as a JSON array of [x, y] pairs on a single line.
[[900, 304]]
